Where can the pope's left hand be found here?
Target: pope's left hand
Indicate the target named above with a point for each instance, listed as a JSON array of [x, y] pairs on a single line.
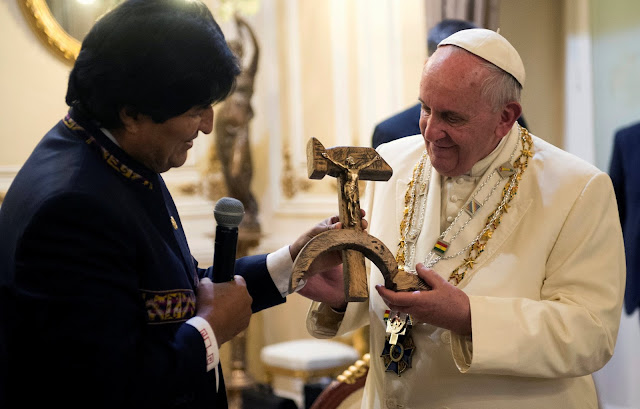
[[444, 306]]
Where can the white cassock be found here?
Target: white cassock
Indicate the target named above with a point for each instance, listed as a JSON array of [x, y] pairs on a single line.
[[546, 293]]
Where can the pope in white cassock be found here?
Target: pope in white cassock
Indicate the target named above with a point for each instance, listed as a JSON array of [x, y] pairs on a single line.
[[519, 240]]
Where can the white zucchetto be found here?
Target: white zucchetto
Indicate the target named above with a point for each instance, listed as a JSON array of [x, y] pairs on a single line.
[[490, 46]]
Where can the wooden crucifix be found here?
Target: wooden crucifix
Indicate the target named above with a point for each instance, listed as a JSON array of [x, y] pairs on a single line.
[[349, 164]]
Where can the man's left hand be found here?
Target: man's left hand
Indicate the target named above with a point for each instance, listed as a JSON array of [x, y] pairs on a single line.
[[325, 282]]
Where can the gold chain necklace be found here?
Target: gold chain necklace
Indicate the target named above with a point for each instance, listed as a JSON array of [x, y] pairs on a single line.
[[416, 191]]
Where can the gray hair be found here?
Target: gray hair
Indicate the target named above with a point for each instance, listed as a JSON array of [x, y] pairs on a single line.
[[500, 87]]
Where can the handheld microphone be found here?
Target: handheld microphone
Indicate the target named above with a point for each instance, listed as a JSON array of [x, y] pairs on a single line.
[[228, 213]]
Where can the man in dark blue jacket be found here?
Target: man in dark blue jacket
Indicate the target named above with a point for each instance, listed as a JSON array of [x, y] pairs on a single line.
[[624, 170], [102, 304], [405, 123]]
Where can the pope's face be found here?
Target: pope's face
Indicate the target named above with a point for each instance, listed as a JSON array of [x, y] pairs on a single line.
[[162, 146], [458, 124]]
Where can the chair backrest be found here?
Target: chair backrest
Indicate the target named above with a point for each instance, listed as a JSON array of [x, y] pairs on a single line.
[[345, 392]]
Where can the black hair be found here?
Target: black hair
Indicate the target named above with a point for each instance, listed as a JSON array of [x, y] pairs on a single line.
[[154, 57], [443, 30]]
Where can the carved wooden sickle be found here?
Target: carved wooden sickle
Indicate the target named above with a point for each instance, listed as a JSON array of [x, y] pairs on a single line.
[[355, 285]]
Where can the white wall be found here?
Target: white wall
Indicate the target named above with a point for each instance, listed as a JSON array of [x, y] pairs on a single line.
[[33, 83]]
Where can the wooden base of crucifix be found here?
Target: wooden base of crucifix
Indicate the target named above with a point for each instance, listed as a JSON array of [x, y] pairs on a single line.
[[349, 164]]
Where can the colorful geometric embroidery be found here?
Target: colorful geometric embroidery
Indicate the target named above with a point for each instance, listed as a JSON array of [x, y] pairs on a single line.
[[71, 124], [169, 306], [472, 207], [111, 159]]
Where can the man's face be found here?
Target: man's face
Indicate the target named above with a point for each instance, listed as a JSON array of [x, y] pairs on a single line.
[[458, 125], [163, 146]]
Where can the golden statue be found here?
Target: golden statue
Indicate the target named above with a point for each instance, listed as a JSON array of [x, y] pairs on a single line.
[[232, 129]]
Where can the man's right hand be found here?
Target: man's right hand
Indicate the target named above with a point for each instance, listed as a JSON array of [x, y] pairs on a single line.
[[226, 306]]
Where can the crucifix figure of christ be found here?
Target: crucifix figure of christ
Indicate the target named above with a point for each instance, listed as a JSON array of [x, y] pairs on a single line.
[[349, 164], [349, 183]]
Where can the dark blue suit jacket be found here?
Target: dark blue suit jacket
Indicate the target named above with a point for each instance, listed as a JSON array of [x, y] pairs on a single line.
[[97, 282], [405, 123], [402, 124], [624, 170]]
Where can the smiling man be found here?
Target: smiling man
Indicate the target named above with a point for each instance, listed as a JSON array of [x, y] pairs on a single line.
[[519, 241], [459, 124]]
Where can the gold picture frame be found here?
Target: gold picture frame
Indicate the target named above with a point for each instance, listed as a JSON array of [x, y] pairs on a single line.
[[49, 30]]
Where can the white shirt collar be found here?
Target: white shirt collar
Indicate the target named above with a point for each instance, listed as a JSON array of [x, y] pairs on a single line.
[[483, 164], [110, 136]]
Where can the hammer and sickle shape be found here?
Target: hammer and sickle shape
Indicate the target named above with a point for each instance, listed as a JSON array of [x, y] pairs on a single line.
[[349, 164]]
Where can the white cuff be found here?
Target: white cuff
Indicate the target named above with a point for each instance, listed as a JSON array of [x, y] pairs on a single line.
[[280, 266], [210, 343]]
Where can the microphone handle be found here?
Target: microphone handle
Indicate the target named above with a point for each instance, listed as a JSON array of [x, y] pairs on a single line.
[[224, 254]]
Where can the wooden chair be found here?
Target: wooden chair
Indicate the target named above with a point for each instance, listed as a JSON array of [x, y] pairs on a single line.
[[345, 392]]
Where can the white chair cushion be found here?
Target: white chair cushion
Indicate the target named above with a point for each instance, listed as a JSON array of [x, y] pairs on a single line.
[[308, 354]]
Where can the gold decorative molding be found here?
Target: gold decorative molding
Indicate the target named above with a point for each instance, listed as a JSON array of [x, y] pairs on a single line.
[[190, 189], [2, 196], [48, 29], [67, 47], [292, 182], [360, 340]]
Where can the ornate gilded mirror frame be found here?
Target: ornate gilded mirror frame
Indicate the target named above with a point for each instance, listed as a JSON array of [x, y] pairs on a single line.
[[48, 29]]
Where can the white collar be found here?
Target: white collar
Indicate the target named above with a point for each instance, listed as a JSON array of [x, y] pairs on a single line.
[[482, 165], [110, 136]]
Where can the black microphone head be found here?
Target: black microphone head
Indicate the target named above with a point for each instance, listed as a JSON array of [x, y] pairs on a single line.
[[228, 212]]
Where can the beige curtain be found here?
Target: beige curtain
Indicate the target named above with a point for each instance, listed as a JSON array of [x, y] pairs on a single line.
[[484, 13]]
